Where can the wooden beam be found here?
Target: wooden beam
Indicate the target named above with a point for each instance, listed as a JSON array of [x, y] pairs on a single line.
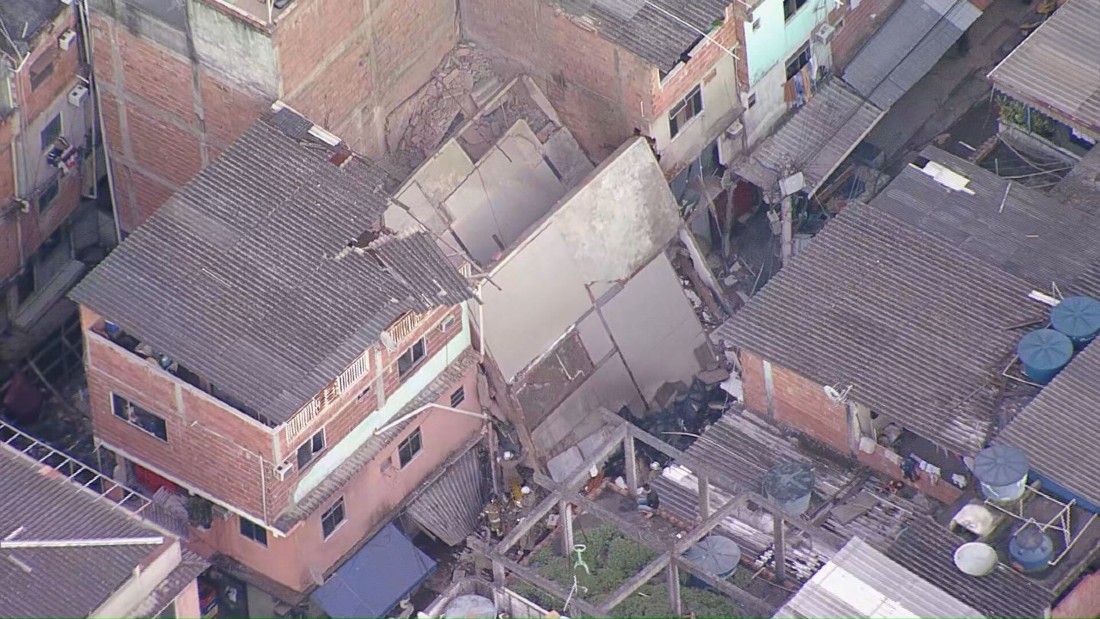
[[531, 576], [630, 462], [575, 481], [565, 508], [674, 604], [754, 606], [704, 496], [696, 465], [630, 529], [635, 582]]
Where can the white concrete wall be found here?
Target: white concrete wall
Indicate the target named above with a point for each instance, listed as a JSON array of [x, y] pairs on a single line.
[[603, 231], [760, 120], [721, 105]]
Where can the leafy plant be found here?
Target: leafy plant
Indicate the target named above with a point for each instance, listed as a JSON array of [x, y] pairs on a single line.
[[1016, 112]]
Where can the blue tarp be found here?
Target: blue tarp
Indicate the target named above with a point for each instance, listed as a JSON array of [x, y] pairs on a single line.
[[376, 578]]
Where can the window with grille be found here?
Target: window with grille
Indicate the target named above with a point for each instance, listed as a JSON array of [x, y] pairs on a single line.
[[253, 531], [411, 358], [332, 517], [409, 447], [309, 449], [685, 110], [458, 396]]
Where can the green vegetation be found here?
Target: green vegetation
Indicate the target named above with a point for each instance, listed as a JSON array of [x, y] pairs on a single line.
[[613, 559], [1015, 112]]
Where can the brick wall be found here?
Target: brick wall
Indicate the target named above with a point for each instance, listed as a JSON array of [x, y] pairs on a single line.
[[941, 490], [798, 402], [65, 65], [369, 500], [859, 25], [686, 77]]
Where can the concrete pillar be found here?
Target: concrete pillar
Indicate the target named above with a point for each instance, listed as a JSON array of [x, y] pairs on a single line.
[[704, 497], [630, 460], [780, 560], [565, 508]]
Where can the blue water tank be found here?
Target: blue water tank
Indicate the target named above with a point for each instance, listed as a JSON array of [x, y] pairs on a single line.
[[790, 485], [1030, 548], [1002, 471], [1043, 354], [1078, 318]]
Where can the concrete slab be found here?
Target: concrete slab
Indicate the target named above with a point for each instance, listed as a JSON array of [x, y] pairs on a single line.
[[595, 338], [563, 464]]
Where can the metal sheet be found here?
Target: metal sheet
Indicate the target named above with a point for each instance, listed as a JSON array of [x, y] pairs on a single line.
[[450, 507]]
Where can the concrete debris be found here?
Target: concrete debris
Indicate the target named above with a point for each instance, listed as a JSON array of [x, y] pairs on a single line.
[[713, 377]]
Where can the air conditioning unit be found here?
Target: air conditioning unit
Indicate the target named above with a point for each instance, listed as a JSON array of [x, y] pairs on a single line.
[[824, 34], [67, 2], [65, 41], [283, 470], [77, 95]]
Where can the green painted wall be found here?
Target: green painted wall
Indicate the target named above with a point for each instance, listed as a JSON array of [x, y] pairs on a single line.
[[777, 40]]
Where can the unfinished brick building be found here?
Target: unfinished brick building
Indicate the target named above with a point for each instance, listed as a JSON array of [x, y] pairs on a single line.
[[50, 228], [262, 344], [194, 74]]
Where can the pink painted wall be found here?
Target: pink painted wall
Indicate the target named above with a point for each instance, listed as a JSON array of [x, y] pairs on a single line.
[[369, 499], [187, 602]]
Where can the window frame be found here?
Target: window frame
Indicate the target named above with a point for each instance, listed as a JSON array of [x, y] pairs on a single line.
[[788, 12], [692, 104], [48, 195], [254, 531], [311, 443], [47, 144], [337, 506], [415, 361], [128, 412], [460, 394], [417, 437], [797, 59], [41, 70]]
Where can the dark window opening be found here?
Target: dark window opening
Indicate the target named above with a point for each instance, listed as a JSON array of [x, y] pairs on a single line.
[[125, 409], [41, 71], [332, 517], [253, 531], [458, 396], [790, 7], [799, 60], [309, 450], [48, 195], [411, 358], [685, 110], [752, 100], [408, 448], [50, 133]]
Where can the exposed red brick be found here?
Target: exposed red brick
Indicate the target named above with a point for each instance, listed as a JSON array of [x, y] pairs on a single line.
[[162, 147]]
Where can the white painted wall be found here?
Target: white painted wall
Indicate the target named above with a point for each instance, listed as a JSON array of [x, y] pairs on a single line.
[[760, 119], [721, 106]]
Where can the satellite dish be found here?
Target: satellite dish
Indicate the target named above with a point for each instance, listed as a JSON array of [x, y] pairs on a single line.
[[975, 559], [388, 341], [833, 394]]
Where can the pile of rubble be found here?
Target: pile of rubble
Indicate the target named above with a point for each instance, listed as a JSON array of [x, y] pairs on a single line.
[[461, 83]]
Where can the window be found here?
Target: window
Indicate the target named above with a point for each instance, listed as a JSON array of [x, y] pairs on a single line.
[[410, 358], [790, 7], [756, 24], [685, 111], [799, 60], [48, 195], [50, 133], [41, 70], [309, 449], [332, 517], [253, 531], [458, 396], [752, 100], [408, 448], [139, 417]]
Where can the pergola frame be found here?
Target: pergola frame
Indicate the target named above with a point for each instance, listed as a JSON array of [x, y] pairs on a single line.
[[565, 495]]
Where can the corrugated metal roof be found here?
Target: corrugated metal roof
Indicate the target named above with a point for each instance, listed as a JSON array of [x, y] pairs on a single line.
[[191, 565], [927, 549], [1057, 68], [1060, 429], [22, 19], [451, 506], [906, 47], [657, 31], [860, 581], [1019, 230], [245, 276], [374, 445], [913, 325], [815, 140], [41, 504]]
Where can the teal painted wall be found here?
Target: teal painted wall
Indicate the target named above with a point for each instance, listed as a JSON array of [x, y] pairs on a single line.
[[777, 40]]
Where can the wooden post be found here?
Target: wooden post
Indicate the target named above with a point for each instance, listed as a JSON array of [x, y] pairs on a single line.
[[565, 508], [704, 496], [674, 604], [786, 238], [630, 460], [780, 561]]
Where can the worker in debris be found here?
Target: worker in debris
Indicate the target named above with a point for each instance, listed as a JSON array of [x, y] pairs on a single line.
[[648, 501], [492, 515]]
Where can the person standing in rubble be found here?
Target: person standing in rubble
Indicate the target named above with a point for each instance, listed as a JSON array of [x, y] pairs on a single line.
[[492, 515]]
